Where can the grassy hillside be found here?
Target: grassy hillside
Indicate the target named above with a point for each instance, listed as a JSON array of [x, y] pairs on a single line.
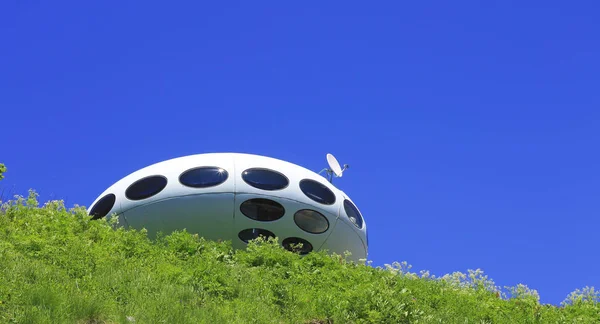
[[57, 266]]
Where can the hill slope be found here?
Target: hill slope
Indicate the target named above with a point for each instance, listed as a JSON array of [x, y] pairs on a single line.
[[58, 266]]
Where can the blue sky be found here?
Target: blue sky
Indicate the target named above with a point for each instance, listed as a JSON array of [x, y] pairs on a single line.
[[471, 128]]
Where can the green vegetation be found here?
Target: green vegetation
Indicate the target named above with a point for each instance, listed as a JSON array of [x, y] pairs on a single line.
[[2, 170], [58, 266]]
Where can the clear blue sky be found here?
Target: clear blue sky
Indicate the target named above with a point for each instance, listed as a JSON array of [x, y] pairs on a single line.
[[471, 129]]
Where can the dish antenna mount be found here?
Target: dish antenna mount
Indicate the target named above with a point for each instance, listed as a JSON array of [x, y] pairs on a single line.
[[334, 168]]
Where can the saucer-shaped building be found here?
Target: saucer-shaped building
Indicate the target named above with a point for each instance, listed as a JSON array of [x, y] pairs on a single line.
[[237, 197]]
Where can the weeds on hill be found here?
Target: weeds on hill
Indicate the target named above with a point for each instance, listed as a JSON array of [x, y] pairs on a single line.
[[59, 266]]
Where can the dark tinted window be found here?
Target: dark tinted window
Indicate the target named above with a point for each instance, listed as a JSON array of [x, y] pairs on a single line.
[[203, 177], [311, 221], [353, 213], [103, 206], [146, 187], [265, 179], [292, 244], [261, 209], [252, 233], [317, 191]]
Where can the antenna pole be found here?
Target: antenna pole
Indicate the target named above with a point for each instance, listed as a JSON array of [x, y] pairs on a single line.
[[329, 174]]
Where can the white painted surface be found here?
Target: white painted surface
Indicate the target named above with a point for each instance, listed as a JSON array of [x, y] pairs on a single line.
[[214, 212]]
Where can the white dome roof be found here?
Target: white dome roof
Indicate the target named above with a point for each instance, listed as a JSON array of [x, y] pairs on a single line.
[[212, 195]]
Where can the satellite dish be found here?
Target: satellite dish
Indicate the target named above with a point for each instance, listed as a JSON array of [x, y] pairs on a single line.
[[334, 165]]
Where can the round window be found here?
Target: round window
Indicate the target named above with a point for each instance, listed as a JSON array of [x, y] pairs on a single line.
[[203, 177], [353, 213], [317, 191], [296, 244], [311, 221], [103, 206], [253, 233], [146, 187], [265, 179], [261, 209]]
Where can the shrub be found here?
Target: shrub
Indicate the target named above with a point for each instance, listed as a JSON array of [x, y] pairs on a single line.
[[2, 171], [60, 266]]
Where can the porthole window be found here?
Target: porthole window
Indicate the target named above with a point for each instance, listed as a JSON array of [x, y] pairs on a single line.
[[103, 206], [146, 187], [265, 179], [353, 213], [298, 245], [311, 221], [317, 191], [203, 177], [253, 233], [261, 209]]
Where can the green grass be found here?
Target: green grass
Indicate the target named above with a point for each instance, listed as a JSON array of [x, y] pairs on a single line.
[[57, 266]]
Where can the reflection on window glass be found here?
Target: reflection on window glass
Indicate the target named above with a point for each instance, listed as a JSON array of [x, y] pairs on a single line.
[[265, 179], [353, 213], [103, 206], [203, 177], [261, 209], [146, 187], [253, 233], [311, 221], [317, 191], [298, 245]]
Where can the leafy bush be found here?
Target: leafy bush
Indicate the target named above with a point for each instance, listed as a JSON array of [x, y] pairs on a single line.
[[2, 171], [59, 266]]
